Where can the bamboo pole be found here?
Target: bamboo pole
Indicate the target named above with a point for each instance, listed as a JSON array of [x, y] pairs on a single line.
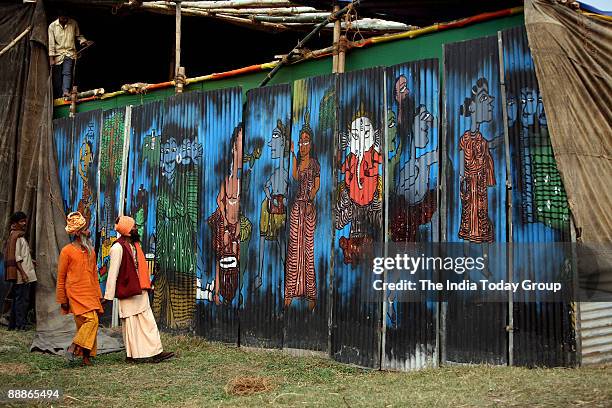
[[16, 40], [369, 24], [229, 4], [177, 50], [336, 39], [280, 11], [342, 46], [302, 18]]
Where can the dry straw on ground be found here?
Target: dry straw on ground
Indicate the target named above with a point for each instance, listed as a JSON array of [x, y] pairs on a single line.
[[241, 386]]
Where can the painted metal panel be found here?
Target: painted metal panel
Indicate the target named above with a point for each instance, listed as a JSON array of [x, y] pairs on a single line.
[[412, 174], [111, 171], [475, 332], [358, 216], [143, 175], [86, 156], [176, 243], [309, 231], [543, 332], [63, 141], [223, 229], [264, 201]]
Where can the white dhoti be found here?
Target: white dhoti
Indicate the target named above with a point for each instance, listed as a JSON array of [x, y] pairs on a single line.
[[140, 333]]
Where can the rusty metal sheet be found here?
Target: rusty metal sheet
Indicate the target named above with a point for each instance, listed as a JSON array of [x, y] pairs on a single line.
[[412, 173], [264, 201], [358, 215], [64, 146], [110, 199], [86, 155], [476, 212], [143, 174], [223, 230], [176, 243], [543, 332], [309, 229]]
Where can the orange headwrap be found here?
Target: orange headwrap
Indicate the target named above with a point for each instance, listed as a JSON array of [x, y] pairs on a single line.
[[75, 222], [125, 225]]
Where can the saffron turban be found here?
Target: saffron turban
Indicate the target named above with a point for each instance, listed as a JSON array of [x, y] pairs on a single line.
[[75, 222], [124, 225]]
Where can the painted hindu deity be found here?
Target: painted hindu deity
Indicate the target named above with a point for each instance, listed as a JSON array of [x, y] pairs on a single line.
[[417, 197], [226, 228], [300, 277], [177, 226], [360, 196], [273, 207], [476, 167], [86, 159]]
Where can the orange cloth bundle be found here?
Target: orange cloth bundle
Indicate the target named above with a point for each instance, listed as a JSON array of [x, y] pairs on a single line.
[[125, 225], [75, 222]]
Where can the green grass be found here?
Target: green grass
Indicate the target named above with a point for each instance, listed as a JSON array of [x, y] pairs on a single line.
[[200, 375]]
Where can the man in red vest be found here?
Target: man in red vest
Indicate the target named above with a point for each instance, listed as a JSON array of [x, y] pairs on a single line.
[[129, 281]]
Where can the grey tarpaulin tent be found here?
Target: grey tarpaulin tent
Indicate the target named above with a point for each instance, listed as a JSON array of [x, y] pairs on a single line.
[[28, 170]]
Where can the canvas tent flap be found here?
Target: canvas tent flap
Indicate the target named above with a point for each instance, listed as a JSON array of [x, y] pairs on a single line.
[[573, 55], [29, 168]]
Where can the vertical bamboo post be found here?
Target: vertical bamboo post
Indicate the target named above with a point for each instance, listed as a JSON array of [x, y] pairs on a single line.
[[342, 43], [73, 100], [177, 51], [337, 27]]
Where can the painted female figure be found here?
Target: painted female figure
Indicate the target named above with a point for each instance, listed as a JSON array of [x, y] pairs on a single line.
[[477, 171], [300, 279], [225, 225]]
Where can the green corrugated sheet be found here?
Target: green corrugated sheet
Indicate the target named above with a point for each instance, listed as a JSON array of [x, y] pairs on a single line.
[[386, 54]]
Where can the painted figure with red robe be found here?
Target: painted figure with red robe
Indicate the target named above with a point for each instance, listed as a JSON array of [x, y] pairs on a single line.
[[477, 169], [360, 195], [300, 277]]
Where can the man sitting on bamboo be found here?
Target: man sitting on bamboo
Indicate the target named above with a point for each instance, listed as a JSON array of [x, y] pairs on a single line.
[[129, 281], [78, 291]]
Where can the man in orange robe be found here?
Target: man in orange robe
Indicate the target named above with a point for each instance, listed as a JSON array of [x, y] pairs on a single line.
[[78, 291]]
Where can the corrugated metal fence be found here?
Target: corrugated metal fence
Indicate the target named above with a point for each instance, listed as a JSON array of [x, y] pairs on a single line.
[[261, 239]]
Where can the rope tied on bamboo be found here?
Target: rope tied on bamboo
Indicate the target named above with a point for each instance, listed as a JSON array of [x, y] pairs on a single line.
[[137, 88], [180, 80], [344, 44]]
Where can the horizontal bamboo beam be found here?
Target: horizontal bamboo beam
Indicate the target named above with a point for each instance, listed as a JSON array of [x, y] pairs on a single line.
[[304, 18], [270, 11], [228, 4]]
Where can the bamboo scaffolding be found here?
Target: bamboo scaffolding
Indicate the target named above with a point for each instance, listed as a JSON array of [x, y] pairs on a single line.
[[307, 56], [271, 19], [165, 9]]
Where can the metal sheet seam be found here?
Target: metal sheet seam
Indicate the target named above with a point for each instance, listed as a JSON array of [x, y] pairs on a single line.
[[509, 259], [382, 358]]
